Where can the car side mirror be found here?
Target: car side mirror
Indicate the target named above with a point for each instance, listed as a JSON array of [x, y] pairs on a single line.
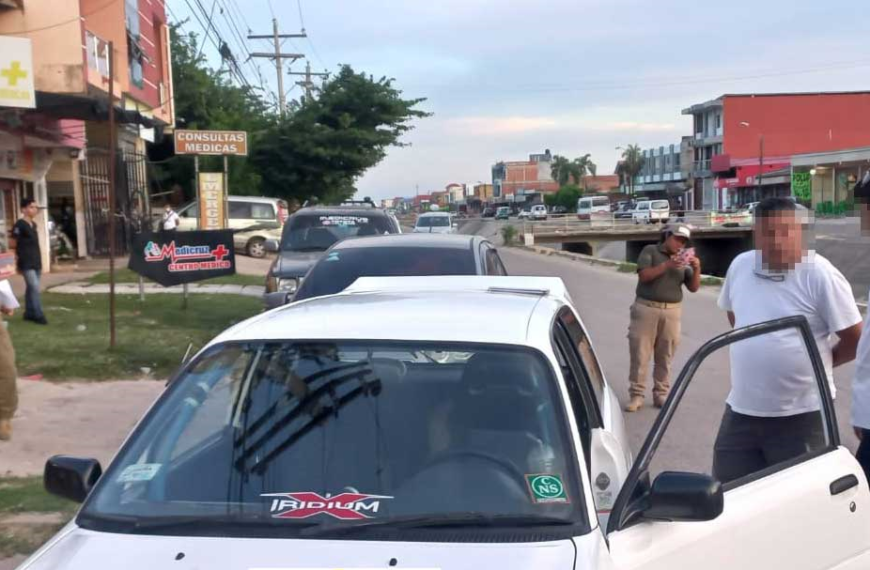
[[71, 477], [272, 245], [677, 496]]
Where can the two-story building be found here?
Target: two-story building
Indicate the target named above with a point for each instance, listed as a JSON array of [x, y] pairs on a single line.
[[70, 56], [666, 173], [514, 181]]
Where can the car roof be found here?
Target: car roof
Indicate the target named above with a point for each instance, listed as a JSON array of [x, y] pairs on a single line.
[[412, 308], [433, 214], [444, 241], [341, 211], [256, 199]]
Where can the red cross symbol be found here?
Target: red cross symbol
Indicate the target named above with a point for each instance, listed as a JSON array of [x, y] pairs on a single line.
[[220, 252]]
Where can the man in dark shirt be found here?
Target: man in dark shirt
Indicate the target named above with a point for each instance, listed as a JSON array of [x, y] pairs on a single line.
[[654, 329], [29, 259]]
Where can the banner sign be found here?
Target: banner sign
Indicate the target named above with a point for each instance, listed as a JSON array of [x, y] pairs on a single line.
[[211, 142], [16, 73], [211, 200], [174, 258]]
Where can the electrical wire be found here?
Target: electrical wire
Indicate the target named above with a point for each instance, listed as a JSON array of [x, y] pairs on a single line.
[[308, 37], [202, 45]]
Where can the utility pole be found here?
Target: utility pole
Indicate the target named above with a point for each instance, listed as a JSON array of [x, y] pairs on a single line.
[[112, 143], [278, 57], [760, 163], [307, 84]]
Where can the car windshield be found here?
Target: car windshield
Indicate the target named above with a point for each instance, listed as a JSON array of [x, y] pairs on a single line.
[[319, 232], [659, 205], [340, 268], [295, 434], [433, 222]]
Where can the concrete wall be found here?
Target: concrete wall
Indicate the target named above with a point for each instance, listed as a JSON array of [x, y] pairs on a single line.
[[56, 32]]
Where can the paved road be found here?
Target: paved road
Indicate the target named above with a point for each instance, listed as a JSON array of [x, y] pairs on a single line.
[[602, 296]]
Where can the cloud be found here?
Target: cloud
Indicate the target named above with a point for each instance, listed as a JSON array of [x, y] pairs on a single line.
[[632, 127], [487, 126]]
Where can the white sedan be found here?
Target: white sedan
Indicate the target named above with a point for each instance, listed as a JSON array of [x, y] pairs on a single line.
[[372, 429]]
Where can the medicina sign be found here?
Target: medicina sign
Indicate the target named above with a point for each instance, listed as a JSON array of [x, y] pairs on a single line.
[[175, 258]]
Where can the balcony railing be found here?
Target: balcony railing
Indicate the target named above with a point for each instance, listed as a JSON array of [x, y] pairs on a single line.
[[98, 54], [702, 165]]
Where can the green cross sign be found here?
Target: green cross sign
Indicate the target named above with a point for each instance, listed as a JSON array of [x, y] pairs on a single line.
[[13, 73]]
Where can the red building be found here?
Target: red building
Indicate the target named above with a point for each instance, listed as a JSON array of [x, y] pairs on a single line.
[[732, 133], [519, 178]]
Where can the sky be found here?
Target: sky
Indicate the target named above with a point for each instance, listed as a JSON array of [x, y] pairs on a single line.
[[505, 78]]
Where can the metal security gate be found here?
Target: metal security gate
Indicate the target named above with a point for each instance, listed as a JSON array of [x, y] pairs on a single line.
[[131, 199]]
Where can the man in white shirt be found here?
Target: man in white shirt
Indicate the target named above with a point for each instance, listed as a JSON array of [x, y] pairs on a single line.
[[170, 219], [861, 382], [773, 412]]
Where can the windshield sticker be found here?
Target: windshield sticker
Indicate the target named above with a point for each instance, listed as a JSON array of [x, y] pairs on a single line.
[[547, 488], [350, 221], [140, 472], [346, 506]]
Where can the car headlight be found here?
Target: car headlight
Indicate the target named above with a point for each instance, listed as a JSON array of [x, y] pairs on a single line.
[[289, 285]]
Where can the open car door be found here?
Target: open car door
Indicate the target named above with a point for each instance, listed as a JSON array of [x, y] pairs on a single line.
[[809, 512]]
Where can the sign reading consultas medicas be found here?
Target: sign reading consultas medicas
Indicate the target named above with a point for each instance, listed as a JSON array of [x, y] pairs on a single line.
[[211, 142]]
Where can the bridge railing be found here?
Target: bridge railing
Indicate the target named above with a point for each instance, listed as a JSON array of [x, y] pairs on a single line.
[[570, 223]]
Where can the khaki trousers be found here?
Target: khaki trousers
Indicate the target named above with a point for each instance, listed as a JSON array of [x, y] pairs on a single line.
[[8, 390], [654, 331]]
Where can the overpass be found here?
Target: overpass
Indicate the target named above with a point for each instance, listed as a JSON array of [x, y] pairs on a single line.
[[716, 245]]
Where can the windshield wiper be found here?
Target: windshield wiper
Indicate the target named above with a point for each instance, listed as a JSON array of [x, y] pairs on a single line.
[[146, 525], [469, 519]]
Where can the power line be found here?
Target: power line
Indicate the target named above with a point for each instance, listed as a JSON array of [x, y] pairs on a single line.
[[310, 42], [301, 19], [210, 22], [222, 47], [272, 10], [278, 58]]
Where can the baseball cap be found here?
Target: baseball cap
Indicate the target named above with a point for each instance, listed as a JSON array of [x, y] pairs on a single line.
[[681, 230]]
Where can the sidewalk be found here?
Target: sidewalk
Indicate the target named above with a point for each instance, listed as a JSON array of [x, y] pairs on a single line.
[[85, 288]]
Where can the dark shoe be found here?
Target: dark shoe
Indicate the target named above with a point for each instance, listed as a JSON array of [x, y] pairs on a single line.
[[41, 321]]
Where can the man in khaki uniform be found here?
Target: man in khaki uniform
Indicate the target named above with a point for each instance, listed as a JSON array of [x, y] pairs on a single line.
[[654, 330], [8, 375]]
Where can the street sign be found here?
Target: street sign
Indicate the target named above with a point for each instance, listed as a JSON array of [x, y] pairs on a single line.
[[16, 73], [211, 142], [211, 201]]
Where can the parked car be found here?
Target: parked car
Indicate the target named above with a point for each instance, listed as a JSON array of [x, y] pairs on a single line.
[[395, 256], [624, 211], [503, 213], [593, 206], [254, 221], [309, 233], [559, 210], [367, 426], [524, 215], [435, 223], [538, 212], [648, 211], [488, 213]]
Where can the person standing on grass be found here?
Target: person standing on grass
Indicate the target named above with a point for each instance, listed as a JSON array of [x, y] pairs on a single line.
[[654, 329], [773, 412], [29, 260], [8, 377]]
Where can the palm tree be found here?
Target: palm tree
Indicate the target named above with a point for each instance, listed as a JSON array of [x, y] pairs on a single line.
[[560, 170], [632, 164], [581, 167]]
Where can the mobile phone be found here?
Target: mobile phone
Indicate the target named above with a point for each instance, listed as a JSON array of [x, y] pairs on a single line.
[[685, 255]]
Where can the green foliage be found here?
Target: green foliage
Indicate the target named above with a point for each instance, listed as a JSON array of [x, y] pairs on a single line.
[[324, 145], [508, 235], [206, 99], [567, 196], [632, 163]]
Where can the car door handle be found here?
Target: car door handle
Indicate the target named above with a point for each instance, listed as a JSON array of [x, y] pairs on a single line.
[[843, 484]]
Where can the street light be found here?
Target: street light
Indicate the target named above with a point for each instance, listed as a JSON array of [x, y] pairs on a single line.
[[812, 171]]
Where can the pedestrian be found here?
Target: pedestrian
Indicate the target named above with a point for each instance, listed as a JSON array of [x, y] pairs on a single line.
[[170, 219], [8, 374], [29, 259], [654, 330], [861, 380], [773, 411]]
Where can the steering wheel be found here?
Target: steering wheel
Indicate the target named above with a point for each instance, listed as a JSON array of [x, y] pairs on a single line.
[[504, 466]]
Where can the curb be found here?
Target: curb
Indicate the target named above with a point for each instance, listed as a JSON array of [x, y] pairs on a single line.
[[79, 288], [711, 280]]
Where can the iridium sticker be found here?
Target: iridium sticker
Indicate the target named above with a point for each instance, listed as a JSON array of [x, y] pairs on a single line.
[[547, 488], [346, 506]]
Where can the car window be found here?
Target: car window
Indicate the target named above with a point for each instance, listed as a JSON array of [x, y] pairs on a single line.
[[580, 342], [262, 212], [390, 426], [341, 267], [643, 206], [433, 222], [660, 205], [601, 202], [240, 210], [189, 211], [492, 262], [580, 400], [309, 231]]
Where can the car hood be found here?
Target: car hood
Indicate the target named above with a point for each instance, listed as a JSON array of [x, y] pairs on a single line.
[[295, 264], [79, 549]]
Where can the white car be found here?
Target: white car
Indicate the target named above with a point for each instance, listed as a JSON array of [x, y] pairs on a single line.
[[313, 436], [593, 206], [435, 223], [648, 211], [538, 212]]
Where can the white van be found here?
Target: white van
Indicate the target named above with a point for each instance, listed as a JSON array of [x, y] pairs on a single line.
[[595, 205], [648, 211]]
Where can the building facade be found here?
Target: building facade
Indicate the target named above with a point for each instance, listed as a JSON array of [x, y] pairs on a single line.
[[70, 48], [739, 138], [512, 181], [666, 173]]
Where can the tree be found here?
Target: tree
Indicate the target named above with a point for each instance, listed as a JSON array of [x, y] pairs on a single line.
[[325, 144], [561, 169], [632, 164], [583, 166], [567, 196], [205, 99]]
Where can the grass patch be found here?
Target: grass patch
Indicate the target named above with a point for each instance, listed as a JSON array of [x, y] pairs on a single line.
[[154, 334], [27, 495], [25, 539], [712, 281], [125, 275], [626, 267]]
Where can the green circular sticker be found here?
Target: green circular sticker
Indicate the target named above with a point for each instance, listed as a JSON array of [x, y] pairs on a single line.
[[547, 488]]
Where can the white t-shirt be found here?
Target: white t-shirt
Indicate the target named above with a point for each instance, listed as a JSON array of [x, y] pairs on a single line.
[[861, 382], [170, 220], [771, 375]]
